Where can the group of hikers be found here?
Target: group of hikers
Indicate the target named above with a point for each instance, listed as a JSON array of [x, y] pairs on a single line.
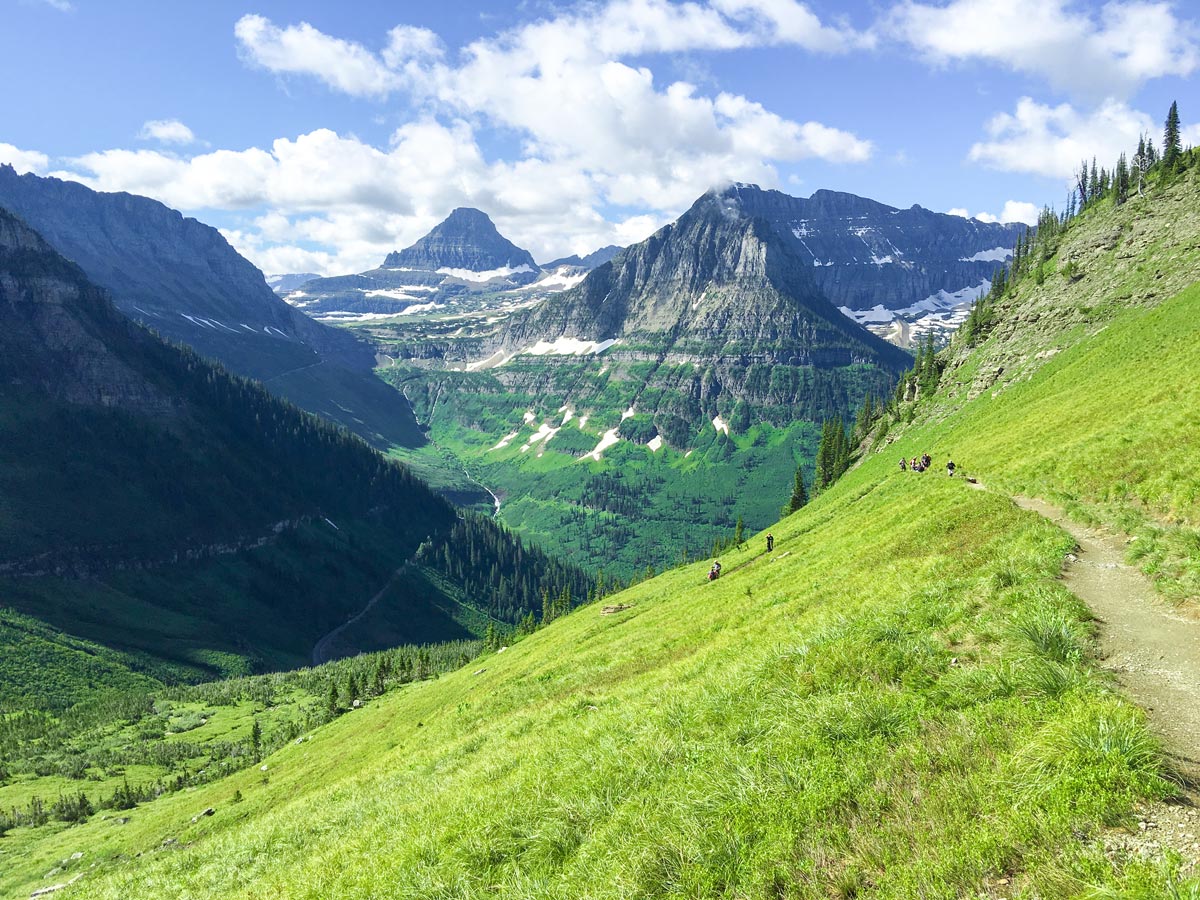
[[715, 572], [922, 463], [916, 464]]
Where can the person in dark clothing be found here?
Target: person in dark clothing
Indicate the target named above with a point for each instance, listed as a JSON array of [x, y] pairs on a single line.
[[950, 468], [770, 542], [903, 464]]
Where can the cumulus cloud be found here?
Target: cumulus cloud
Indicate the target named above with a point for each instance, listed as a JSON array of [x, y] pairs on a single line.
[[1091, 51], [564, 84], [167, 131], [23, 160], [1046, 140], [340, 204], [1013, 211], [607, 152]]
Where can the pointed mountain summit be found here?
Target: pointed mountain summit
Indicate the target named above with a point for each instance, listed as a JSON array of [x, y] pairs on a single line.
[[719, 282], [463, 261], [466, 239]]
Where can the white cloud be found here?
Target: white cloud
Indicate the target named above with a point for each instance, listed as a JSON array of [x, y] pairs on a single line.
[[24, 160], [167, 131], [1189, 135], [1092, 51], [562, 84], [1014, 211], [302, 49], [608, 153], [1052, 140], [60, 5]]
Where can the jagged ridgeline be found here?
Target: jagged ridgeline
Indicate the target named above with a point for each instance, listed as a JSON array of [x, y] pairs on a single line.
[[634, 417], [161, 519]]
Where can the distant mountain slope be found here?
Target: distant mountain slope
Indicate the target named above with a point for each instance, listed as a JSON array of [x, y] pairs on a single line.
[[589, 262], [900, 271], [181, 278], [154, 504], [281, 284]]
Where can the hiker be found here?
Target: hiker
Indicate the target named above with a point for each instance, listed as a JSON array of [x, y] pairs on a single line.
[[770, 542], [926, 461], [903, 464], [950, 468], [715, 572]]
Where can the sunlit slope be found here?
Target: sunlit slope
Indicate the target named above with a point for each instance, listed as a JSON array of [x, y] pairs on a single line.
[[1110, 428], [901, 688]]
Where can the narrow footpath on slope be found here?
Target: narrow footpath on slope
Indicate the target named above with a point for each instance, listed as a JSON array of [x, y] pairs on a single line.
[[1153, 650], [322, 648]]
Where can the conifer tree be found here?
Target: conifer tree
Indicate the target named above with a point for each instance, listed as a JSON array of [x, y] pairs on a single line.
[[1121, 181], [256, 739], [799, 492], [739, 531], [1094, 181], [1172, 149]]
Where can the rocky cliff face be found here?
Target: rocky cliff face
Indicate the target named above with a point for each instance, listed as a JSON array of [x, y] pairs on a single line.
[[717, 282], [176, 275], [865, 253], [60, 335]]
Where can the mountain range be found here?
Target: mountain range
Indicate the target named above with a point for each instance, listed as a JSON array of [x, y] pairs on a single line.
[[183, 279]]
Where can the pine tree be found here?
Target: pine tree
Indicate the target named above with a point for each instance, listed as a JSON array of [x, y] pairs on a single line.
[[1094, 182], [739, 531], [799, 493], [256, 739], [1121, 181], [1172, 149]]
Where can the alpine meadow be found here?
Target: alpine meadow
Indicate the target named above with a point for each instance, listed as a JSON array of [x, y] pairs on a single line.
[[769, 541]]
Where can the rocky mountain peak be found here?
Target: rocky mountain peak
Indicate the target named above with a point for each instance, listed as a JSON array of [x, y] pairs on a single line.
[[467, 239]]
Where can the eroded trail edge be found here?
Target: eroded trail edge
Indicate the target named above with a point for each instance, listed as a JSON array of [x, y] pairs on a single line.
[[1152, 649]]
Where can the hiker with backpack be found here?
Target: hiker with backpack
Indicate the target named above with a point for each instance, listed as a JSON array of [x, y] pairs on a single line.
[[950, 468], [770, 542], [715, 572]]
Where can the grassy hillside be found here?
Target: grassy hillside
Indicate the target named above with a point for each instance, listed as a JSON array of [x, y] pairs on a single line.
[[899, 701]]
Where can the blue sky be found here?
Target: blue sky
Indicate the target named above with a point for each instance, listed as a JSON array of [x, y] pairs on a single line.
[[320, 136]]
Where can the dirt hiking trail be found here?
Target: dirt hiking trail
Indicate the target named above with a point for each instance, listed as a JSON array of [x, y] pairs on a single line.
[[1152, 649]]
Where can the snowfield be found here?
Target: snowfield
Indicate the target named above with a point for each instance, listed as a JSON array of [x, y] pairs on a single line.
[[565, 346], [489, 275]]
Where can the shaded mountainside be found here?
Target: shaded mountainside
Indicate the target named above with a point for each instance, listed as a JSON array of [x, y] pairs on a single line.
[[189, 521], [181, 278]]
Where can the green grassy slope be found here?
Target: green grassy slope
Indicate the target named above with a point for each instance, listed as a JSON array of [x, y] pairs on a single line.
[[898, 701]]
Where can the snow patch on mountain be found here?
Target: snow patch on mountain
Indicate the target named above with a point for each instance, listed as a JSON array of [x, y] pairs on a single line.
[[489, 275], [996, 254], [565, 346], [610, 439]]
